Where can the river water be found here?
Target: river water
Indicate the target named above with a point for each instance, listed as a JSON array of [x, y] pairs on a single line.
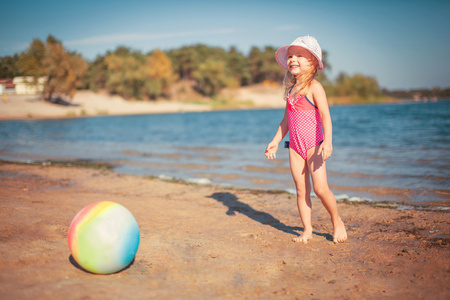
[[393, 152]]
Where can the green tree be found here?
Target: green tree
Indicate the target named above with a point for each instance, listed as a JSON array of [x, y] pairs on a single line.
[[131, 74], [9, 66], [365, 87], [262, 65], [342, 86], [97, 74], [126, 73], [254, 65], [184, 62], [30, 62], [322, 76], [356, 86], [270, 69], [236, 64], [203, 63], [210, 77]]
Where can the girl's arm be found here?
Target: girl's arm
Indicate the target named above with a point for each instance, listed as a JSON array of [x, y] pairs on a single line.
[[283, 128], [320, 99]]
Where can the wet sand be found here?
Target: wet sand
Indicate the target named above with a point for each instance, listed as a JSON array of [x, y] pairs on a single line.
[[205, 242]]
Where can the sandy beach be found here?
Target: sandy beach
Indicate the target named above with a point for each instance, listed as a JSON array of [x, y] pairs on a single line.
[[87, 103], [206, 242], [202, 241]]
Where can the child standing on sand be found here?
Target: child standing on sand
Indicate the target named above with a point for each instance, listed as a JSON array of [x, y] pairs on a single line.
[[306, 114]]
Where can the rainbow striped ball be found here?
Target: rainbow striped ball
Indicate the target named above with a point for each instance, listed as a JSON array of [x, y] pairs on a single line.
[[104, 237]]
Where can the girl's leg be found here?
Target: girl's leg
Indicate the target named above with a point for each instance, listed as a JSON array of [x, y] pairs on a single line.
[[300, 174], [317, 170]]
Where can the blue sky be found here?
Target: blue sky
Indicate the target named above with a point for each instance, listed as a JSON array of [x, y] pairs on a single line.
[[403, 44]]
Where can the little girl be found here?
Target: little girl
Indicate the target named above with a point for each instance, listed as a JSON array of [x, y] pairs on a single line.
[[309, 147]]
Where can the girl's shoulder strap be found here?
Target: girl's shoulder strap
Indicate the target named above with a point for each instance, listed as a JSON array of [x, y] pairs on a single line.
[[290, 90]]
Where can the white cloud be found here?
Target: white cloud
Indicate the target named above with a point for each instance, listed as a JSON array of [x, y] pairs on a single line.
[[133, 37], [15, 47]]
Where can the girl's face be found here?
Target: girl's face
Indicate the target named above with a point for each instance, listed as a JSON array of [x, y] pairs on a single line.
[[299, 60]]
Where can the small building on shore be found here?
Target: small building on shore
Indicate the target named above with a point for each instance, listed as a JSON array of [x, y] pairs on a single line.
[[29, 85], [7, 86]]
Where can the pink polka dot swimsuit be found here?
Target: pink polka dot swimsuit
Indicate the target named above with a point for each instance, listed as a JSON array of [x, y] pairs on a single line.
[[305, 125]]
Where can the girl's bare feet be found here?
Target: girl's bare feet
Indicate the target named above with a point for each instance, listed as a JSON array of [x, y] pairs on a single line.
[[339, 232], [303, 238]]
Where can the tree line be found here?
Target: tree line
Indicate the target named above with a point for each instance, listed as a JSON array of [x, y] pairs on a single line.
[[135, 75], [437, 92]]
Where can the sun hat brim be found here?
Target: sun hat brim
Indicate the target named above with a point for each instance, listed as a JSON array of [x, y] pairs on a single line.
[[282, 55]]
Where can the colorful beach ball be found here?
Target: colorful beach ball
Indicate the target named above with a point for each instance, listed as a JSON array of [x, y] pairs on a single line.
[[104, 237]]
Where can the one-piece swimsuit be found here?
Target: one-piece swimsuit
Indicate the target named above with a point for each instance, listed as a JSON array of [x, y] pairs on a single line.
[[305, 125]]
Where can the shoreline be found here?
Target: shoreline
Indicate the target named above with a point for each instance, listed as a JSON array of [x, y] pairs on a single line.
[[88, 104], [212, 242], [344, 191], [440, 206]]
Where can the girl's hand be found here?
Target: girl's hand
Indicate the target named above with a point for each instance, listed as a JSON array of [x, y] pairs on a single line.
[[271, 150], [325, 149]]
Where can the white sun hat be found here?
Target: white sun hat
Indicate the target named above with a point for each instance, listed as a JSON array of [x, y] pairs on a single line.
[[307, 42]]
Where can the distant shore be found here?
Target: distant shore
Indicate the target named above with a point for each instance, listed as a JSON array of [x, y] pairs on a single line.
[[87, 103]]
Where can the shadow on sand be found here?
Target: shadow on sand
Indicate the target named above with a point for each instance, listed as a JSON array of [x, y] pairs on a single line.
[[77, 265], [234, 205]]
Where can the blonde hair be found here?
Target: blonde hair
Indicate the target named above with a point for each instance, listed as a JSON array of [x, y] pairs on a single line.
[[303, 81]]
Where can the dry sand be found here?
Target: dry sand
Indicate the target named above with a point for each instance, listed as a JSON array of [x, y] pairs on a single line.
[[205, 242], [88, 103]]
